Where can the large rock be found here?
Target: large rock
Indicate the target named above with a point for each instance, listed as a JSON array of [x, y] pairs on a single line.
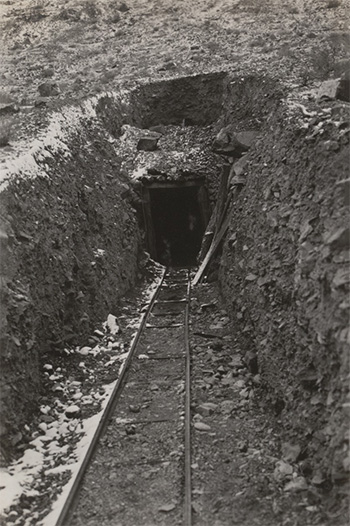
[[233, 144], [335, 89], [343, 91], [48, 89], [148, 143], [9, 109]]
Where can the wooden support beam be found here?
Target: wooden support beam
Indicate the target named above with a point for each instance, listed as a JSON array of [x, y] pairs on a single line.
[[213, 247]]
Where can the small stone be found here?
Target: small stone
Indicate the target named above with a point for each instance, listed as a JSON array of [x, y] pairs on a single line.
[[134, 408], [12, 516], [242, 446], [168, 66], [251, 277], [256, 379], [338, 238], [48, 89], [341, 277], [84, 351], [244, 393], [48, 72], [123, 8], [227, 406], [290, 452], [200, 426], [251, 360], [206, 409], [72, 411], [331, 146], [283, 469], [238, 167], [236, 361], [318, 479], [9, 109], [46, 418], [40, 102], [297, 484], [43, 426], [130, 429], [167, 507]]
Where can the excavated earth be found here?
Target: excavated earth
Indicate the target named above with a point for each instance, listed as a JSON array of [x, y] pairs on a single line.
[[81, 85]]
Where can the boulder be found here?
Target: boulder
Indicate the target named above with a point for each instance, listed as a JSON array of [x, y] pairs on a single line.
[[335, 89], [247, 138], [123, 8], [238, 167], [233, 144], [251, 361], [9, 109], [40, 102], [72, 411], [148, 143], [48, 89], [343, 91]]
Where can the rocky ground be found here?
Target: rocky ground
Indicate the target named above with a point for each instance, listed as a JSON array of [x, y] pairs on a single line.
[[54, 53], [77, 386]]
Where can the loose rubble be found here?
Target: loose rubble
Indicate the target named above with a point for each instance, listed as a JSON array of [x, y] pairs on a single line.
[[77, 392]]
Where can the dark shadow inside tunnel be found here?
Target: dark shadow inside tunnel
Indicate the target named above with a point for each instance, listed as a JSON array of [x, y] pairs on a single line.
[[176, 216]]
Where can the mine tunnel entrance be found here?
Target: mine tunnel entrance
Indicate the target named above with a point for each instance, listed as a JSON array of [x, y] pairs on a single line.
[[176, 215]]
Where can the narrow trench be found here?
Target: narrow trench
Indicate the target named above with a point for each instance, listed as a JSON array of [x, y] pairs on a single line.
[[176, 190], [176, 193]]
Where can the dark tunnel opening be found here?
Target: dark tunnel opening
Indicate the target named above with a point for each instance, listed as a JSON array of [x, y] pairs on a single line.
[[177, 223]]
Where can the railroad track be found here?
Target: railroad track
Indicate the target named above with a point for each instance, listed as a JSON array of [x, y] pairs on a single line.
[[146, 428]]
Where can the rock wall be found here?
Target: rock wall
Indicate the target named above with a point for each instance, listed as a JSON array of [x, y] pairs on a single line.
[[69, 248], [194, 100], [284, 274]]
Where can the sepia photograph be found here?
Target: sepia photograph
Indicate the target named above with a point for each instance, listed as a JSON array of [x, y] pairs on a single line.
[[174, 254]]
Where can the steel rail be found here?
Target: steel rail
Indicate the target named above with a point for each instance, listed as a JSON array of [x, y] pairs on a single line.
[[188, 485], [68, 506]]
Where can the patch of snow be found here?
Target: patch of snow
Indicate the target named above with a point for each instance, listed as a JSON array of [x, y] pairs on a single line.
[[28, 159], [111, 324], [139, 173], [99, 252], [62, 445], [52, 443]]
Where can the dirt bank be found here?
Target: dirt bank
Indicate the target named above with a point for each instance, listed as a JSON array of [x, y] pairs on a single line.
[[70, 250], [284, 274]]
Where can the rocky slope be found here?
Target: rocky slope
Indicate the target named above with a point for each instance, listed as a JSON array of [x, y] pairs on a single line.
[[285, 276]]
